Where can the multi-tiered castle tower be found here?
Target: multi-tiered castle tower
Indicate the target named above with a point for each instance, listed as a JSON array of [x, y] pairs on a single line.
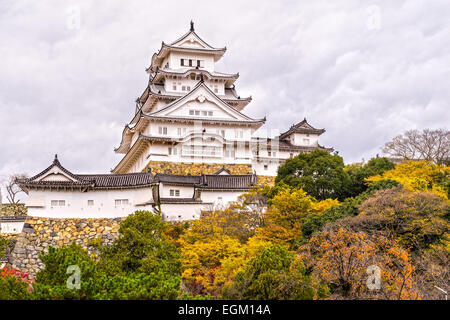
[[190, 130], [189, 113]]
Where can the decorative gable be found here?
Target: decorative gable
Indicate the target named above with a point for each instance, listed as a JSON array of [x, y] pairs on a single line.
[[191, 40], [201, 102], [56, 173]]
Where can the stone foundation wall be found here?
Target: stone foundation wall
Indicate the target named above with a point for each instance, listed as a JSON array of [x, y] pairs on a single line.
[[186, 168], [9, 236], [17, 209], [40, 233], [266, 180]]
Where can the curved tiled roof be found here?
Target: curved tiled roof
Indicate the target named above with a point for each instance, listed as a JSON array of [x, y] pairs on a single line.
[[216, 181], [302, 127], [185, 72], [177, 179], [173, 46], [119, 180], [210, 181], [180, 200], [94, 181]]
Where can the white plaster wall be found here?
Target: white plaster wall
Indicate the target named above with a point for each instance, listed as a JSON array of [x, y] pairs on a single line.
[[258, 166], [298, 139], [214, 197], [175, 60], [185, 192], [179, 212], [76, 203]]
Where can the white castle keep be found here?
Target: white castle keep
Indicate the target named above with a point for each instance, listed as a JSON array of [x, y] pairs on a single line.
[[189, 113]]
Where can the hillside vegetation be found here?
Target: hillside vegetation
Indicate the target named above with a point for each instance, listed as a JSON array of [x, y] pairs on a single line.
[[324, 231]]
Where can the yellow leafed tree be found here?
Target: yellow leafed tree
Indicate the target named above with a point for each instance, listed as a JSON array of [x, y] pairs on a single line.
[[418, 176], [283, 220]]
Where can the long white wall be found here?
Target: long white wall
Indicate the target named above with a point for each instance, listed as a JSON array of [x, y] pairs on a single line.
[[76, 203]]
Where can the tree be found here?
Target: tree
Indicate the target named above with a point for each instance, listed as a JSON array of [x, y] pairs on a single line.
[[418, 176], [218, 244], [142, 246], [358, 173], [319, 173], [202, 260], [349, 208], [141, 264], [51, 282], [12, 188], [274, 275], [287, 211], [341, 258], [432, 269], [12, 287], [429, 145], [416, 219]]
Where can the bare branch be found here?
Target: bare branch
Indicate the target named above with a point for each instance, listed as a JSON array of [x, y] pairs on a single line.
[[430, 145], [12, 188]]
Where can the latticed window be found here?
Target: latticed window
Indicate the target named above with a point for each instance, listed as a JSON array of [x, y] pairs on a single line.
[[58, 203], [162, 130]]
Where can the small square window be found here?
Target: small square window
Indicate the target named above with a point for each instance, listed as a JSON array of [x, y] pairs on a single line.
[[90, 202], [172, 151], [210, 113], [197, 112], [191, 112], [204, 113], [266, 167], [121, 202]]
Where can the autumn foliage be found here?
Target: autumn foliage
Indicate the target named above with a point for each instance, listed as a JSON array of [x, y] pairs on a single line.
[[324, 231]]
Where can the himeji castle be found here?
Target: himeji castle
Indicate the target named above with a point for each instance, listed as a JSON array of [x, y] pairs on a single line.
[[188, 147], [191, 113]]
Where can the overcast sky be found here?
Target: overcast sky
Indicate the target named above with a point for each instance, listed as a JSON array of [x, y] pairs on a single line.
[[70, 71]]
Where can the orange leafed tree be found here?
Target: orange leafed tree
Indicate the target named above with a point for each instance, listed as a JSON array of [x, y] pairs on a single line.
[[342, 258]]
